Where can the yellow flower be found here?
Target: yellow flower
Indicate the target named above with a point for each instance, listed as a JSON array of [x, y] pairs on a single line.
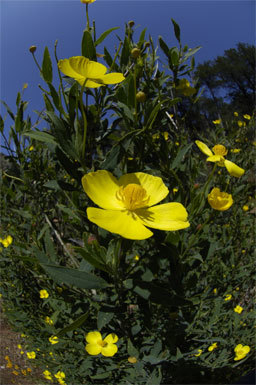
[[87, 1], [236, 150], [7, 241], [19, 346], [199, 353], [89, 72], [53, 340], [127, 204], [213, 346], [136, 257], [60, 375], [240, 123], [215, 290], [97, 345], [174, 190], [217, 121], [177, 143], [23, 335], [47, 375], [132, 360], [44, 294], [48, 320], [238, 309], [15, 372], [228, 297], [246, 116], [31, 355], [245, 208], [235, 113], [241, 351], [185, 88], [23, 371], [219, 151], [166, 135], [29, 370], [220, 201], [31, 148], [21, 352]]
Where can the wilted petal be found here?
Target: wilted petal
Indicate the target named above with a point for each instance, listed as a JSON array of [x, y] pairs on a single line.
[[233, 169], [101, 187], [168, 216], [154, 186], [205, 149], [124, 223]]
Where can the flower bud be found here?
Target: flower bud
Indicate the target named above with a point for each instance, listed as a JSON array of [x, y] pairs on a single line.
[[32, 49], [131, 23], [91, 239], [147, 44], [135, 53], [140, 96]]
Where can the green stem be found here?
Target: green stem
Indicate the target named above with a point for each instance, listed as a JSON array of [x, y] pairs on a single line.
[[40, 69], [87, 19], [117, 52], [84, 120], [135, 92]]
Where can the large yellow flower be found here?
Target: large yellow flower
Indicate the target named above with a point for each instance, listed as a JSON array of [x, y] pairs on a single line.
[[96, 345], [220, 201], [219, 151], [241, 351], [90, 72], [87, 1], [127, 202]]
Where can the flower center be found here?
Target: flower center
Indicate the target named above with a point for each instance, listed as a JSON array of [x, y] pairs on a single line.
[[102, 343], [219, 149], [133, 196]]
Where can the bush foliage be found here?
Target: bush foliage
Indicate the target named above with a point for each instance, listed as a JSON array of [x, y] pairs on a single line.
[[170, 298]]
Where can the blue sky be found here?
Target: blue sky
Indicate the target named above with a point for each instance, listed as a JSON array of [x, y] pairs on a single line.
[[214, 25]]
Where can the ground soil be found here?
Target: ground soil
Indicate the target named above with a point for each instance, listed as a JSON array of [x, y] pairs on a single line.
[[17, 362]]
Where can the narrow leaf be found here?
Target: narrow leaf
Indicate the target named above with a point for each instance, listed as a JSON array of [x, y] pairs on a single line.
[[47, 66], [104, 35]]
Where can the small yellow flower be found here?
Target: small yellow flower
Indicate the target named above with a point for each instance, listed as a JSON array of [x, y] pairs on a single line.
[[16, 366], [15, 372], [53, 340], [60, 375], [220, 201], [21, 352], [7, 241], [217, 156], [86, 71], [246, 116], [29, 370], [156, 136], [166, 135], [23, 335], [132, 360], [19, 346], [9, 365], [185, 88], [48, 320], [96, 345], [129, 205], [177, 144], [31, 148], [31, 355], [87, 1], [228, 297], [243, 251], [240, 123], [174, 190], [136, 257], [48, 375], [44, 294], [23, 371], [212, 347], [235, 150], [217, 121], [235, 113], [241, 351], [238, 309], [215, 291], [245, 208], [199, 353]]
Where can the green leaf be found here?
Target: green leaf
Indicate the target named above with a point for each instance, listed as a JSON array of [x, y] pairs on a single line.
[[8, 110], [176, 30], [164, 46], [42, 136], [88, 48], [94, 259], [103, 319], [74, 325], [104, 35], [131, 350], [174, 53], [142, 38], [125, 54], [47, 66], [180, 155], [74, 277]]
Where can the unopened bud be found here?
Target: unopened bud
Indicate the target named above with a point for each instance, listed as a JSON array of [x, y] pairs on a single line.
[[91, 239], [32, 49], [147, 44], [131, 23], [135, 53], [196, 185], [140, 96]]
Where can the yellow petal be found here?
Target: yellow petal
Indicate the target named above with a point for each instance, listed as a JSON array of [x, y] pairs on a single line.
[[111, 338], [109, 350], [215, 158], [113, 78], [233, 169], [169, 216], [74, 67], [154, 186], [124, 223], [93, 349], [205, 149], [93, 337], [101, 187], [95, 70]]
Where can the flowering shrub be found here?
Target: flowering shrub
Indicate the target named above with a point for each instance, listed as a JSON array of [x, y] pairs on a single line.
[[155, 284]]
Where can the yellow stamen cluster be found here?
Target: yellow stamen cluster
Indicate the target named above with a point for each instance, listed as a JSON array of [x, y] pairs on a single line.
[[133, 196]]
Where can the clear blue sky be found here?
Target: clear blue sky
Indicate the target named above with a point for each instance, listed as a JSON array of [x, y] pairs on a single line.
[[214, 25]]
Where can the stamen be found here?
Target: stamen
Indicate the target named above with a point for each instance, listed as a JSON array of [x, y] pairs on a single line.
[[133, 196], [219, 149]]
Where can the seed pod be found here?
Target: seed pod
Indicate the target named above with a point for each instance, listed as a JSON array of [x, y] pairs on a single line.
[[32, 49], [135, 53], [141, 96]]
